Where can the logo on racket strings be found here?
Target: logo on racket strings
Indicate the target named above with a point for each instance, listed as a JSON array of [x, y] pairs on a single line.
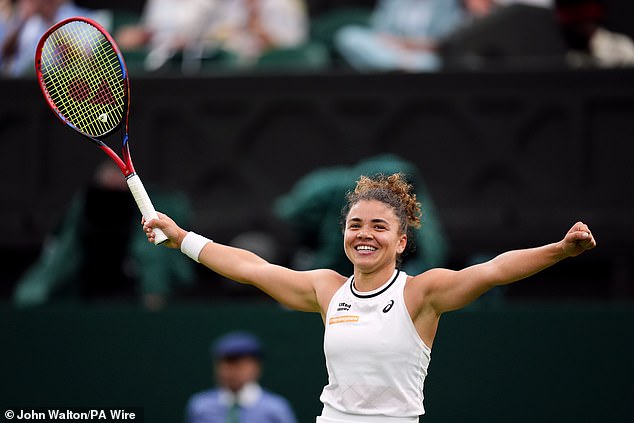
[[80, 90], [103, 117]]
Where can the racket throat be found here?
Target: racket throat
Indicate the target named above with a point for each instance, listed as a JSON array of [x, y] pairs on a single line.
[[124, 168], [127, 158]]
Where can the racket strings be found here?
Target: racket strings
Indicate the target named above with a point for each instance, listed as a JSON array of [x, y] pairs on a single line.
[[84, 78]]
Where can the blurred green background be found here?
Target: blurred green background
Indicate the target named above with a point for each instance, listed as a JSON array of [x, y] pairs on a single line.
[[525, 363]]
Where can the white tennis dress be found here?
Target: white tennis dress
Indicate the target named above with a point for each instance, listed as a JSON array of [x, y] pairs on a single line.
[[376, 361]]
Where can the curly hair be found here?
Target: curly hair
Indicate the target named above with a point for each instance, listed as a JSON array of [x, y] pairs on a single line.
[[395, 191]]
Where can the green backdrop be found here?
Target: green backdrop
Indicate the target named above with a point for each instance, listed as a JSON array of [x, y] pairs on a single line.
[[501, 364]]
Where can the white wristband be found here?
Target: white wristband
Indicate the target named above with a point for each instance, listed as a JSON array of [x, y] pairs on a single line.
[[193, 244]]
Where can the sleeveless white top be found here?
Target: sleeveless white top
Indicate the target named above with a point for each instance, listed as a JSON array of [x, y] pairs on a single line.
[[376, 361]]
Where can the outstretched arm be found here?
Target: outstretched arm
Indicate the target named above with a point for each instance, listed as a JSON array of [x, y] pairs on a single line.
[[297, 290], [446, 290]]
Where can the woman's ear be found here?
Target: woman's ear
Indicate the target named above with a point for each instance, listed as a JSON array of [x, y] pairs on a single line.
[[402, 244]]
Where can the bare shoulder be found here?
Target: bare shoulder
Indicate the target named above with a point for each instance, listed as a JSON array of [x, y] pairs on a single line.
[[325, 282], [421, 288], [326, 279], [430, 278]]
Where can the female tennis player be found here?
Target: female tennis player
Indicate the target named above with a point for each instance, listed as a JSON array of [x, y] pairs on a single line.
[[380, 323]]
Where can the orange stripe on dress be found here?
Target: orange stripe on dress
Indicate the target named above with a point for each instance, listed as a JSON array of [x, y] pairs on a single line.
[[342, 319]]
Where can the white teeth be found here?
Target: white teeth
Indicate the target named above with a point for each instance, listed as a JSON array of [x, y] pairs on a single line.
[[365, 248]]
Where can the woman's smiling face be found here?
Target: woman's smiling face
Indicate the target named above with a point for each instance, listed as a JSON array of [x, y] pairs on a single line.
[[372, 236]]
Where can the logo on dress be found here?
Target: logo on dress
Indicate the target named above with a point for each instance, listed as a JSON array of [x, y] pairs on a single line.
[[343, 307], [388, 307]]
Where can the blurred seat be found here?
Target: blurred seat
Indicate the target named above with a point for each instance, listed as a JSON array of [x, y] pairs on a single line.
[[324, 26], [306, 57]]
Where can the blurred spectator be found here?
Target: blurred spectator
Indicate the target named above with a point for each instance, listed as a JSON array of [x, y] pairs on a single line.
[[238, 31], [92, 259], [401, 35], [313, 209], [6, 13], [562, 32], [498, 39], [238, 397], [31, 19], [589, 42], [248, 28], [166, 28]]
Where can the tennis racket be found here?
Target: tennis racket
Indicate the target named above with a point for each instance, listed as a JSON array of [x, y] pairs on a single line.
[[85, 81]]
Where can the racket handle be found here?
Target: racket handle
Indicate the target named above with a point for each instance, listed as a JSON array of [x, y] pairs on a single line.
[[145, 205]]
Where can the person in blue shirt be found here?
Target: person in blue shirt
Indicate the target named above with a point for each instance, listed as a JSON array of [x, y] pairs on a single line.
[[238, 397], [400, 36]]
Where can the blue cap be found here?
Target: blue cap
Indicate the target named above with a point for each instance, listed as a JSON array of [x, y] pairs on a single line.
[[237, 344]]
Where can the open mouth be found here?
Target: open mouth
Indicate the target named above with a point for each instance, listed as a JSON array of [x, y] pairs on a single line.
[[365, 248]]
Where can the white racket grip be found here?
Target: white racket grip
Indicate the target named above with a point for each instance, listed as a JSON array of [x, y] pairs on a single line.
[[145, 205]]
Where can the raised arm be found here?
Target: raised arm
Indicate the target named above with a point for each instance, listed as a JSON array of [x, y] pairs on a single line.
[[446, 290], [304, 291]]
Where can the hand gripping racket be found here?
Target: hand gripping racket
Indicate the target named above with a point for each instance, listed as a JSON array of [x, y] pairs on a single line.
[[85, 81]]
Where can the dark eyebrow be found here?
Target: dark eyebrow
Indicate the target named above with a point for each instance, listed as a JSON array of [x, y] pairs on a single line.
[[375, 220]]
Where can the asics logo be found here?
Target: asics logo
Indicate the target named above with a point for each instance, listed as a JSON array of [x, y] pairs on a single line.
[[388, 307]]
